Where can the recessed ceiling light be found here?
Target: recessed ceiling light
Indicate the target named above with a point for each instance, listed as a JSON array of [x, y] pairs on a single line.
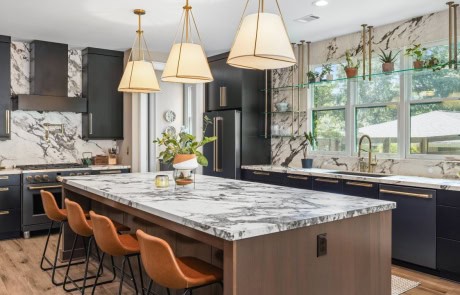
[[320, 3]]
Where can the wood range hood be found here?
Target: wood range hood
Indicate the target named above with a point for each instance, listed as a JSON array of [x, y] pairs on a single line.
[[49, 81]]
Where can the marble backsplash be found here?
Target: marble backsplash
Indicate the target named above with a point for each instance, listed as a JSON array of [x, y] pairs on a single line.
[[28, 144]]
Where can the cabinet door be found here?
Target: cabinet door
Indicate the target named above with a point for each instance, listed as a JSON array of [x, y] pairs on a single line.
[[263, 177], [329, 185], [361, 189], [11, 223], [225, 91], [448, 255], [298, 181], [10, 197], [105, 103], [5, 91], [448, 222]]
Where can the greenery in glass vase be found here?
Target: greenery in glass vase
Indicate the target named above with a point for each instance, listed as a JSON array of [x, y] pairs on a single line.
[[184, 143]]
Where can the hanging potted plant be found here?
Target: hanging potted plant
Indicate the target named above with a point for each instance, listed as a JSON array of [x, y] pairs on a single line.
[[309, 140], [351, 68], [182, 151], [327, 72], [388, 61], [416, 52]]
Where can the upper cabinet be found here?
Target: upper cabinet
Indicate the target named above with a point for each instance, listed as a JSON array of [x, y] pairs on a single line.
[[5, 88], [102, 71]]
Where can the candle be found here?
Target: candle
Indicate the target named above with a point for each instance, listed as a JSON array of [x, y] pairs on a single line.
[[162, 181]]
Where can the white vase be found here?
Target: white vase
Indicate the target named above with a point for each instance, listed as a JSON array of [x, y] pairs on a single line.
[[185, 162]]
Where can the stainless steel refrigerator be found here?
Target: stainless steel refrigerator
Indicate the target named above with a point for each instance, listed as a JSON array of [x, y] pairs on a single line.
[[224, 154]]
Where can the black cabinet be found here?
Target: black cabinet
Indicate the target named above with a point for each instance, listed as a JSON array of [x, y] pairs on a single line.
[[448, 256], [102, 71], [330, 185], [5, 87], [111, 171], [10, 206], [414, 224], [361, 189], [298, 181], [263, 176]]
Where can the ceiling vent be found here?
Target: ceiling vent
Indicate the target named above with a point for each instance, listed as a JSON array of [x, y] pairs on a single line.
[[307, 18]]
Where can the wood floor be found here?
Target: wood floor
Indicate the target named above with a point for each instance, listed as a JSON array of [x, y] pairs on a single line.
[[20, 273]]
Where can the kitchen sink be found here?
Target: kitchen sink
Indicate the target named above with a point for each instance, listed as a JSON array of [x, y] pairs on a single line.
[[360, 174]]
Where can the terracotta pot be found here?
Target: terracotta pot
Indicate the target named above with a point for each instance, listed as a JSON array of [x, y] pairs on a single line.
[[418, 64], [185, 162], [351, 72], [388, 67]]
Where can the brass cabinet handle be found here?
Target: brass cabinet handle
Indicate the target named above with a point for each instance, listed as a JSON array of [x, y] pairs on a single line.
[[44, 187], [363, 184], [4, 212], [4, 189], [223, 96], [298, 177], [4, 177], [261, 173], [90, 123], [415, 195], [327, 180], [111, 172], [7, 121]]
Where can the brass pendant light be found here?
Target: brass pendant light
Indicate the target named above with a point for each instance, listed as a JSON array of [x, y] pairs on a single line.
[[187, 62], [139, 75], [262, 42]]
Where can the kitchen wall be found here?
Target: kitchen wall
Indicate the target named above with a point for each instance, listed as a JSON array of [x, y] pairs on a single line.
[[287, 151], [28, 144]]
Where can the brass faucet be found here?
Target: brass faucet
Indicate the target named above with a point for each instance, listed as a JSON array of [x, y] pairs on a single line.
[[370, 164]]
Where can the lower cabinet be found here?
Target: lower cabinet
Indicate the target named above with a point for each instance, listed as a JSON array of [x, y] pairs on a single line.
[[330, 185], [361, 189], [448, 256], [298, 181], [10, 206], [263, 176]]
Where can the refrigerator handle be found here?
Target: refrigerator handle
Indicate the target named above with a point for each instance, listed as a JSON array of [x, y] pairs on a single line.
[[217, 143], [223, 96]]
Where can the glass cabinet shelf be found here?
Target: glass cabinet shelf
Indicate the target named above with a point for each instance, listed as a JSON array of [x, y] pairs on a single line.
[[285, 112]]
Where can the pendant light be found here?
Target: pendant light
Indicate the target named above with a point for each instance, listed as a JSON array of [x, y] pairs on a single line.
[[139, 75], [187, 62], [262, 42]]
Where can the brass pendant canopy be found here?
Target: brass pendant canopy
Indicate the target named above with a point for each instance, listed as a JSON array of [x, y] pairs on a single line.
[[262, 42], [187, 61], [139, 75]]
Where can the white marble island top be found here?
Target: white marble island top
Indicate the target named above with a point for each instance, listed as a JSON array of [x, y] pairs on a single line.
[[229, 209]]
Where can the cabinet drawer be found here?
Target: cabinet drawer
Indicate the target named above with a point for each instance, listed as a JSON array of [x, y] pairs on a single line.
[[449, 198], [263, 176], [448, 222], [361, 189], [10, 197], [448, 255], [110, 171], [298, 181], [10, 221], [11, 179], [330, 185]]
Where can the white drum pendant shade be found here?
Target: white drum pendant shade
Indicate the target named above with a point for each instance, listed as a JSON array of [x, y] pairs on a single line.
[[262, 43], [187, 63], [139, 77]]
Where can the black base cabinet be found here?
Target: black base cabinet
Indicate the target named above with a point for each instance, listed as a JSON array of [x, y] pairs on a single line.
[[10, 206], [361, 189], [5, 88], [330, 185], [263, 176]]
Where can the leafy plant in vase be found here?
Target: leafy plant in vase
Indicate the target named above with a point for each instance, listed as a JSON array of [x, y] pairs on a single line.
[[327, 72], [388, 61], [309, 140], [183, 151], [416, 52], [312, 77], [351, 68]]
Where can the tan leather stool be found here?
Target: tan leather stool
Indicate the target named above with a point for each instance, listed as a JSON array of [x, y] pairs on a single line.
[[83, 228], [173, 272], [113, 244]]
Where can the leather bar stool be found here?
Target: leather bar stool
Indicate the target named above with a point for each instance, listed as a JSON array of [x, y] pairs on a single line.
[[59, 216], [116, 245], [173, 272], [83, 228]]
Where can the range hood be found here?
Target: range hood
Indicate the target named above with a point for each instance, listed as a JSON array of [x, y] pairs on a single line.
[[48, 81]]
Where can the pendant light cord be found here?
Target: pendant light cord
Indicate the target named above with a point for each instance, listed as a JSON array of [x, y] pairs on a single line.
[[241, 21]]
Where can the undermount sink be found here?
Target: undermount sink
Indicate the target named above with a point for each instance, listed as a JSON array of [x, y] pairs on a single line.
[[360, 174]]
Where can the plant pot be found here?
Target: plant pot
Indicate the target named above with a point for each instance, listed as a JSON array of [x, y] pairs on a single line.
[[311, 80], [307, 163], [318, 79], [330, 77], [418, 64], [388, 67], [185, 162], [351, 72]]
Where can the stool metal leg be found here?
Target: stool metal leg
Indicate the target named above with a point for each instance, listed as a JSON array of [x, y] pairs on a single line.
[[140, 270], [132, 275], [98, 271], [46, 247], [122, 276], [61, 226]]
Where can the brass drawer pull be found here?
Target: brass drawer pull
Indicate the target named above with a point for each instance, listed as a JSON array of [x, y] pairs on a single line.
[[4, 189], [327, 180], [110, 172], [298, 177], [415, 195], [362, 184], [44, 187], [4, 212], [261, 173], [4, 177]]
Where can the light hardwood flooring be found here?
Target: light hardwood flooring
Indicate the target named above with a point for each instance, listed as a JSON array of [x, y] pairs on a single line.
[[20, 273]]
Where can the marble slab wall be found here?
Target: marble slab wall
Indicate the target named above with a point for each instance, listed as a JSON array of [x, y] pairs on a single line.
[[288, 151], [28, 144]]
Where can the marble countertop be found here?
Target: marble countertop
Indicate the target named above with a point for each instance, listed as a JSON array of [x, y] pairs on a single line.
[[229, 209], [10, 171], [424, 182], [109, 167]]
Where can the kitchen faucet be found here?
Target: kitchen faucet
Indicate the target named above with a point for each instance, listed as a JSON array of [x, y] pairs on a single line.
[[370, 164]]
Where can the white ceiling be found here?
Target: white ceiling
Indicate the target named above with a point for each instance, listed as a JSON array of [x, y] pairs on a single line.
[[110, 24]]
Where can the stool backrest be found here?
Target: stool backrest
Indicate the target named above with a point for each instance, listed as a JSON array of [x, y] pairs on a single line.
[[77, 220], [160, 262], [51, 208], [106, 235]]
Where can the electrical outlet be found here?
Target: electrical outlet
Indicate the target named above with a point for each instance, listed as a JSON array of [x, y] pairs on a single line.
[[321, 245]]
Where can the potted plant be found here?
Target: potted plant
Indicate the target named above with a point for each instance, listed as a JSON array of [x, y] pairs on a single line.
[[416, 52], [327, 72], [351, 68], [309, 140], [388, 61], [182, 151], [312, 77]]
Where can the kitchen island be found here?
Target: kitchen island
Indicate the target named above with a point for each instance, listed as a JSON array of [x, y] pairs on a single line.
[[268, 239]]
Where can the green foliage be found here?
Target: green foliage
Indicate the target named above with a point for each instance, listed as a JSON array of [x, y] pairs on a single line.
[[349, 61], [312, 76], [184, 143], [416, 52], [309, 140], [388, 57]]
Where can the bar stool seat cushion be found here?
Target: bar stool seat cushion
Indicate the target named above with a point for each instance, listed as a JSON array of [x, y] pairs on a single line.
[[199, 272]]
